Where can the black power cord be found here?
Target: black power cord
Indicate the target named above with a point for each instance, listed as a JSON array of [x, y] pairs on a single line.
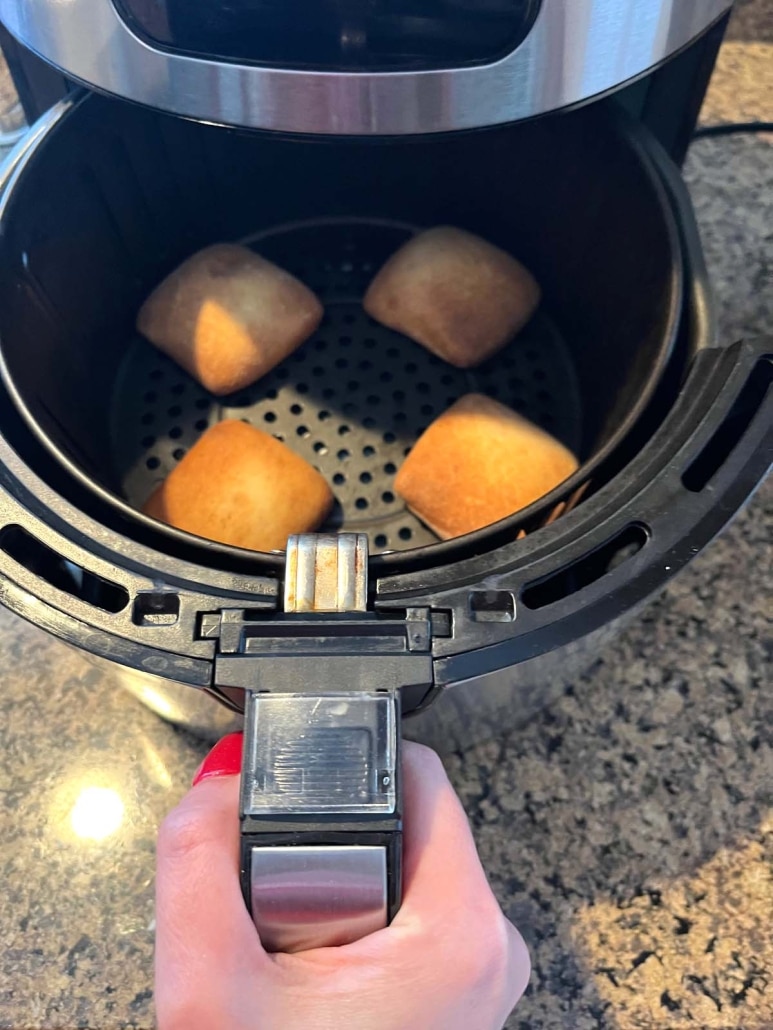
[[731, 129]]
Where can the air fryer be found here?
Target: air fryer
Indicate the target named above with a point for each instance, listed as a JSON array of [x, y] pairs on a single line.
[[621, 363]]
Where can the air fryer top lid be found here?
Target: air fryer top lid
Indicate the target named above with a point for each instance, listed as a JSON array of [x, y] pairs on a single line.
[[390, 67]]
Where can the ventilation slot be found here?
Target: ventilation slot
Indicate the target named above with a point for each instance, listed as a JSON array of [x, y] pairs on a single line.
[[157, 609], [586, 570], [492, 606], [734, 425], [59, 572]]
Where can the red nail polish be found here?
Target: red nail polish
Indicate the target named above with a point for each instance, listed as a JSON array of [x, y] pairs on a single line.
[[225, 759]]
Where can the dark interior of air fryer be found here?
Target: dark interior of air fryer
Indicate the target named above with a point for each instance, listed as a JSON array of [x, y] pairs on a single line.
[[115, 203]]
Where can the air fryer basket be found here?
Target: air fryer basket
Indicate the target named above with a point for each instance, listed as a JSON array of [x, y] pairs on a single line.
[[117, 197], [103, 199]]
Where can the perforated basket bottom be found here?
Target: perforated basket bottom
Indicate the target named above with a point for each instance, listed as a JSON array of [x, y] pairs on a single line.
[[351, 401]]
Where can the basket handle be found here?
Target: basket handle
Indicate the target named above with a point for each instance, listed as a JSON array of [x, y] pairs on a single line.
[[321, 811]]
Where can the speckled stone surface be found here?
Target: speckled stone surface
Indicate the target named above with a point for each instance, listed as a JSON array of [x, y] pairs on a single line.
[[628, 830], [751, 23]]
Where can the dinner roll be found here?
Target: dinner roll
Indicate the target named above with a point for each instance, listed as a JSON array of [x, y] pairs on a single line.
[[228, 316], [478, 463], [240, 486], [456, 294]]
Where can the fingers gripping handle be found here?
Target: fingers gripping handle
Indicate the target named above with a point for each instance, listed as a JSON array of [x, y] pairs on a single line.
[[321, 819]]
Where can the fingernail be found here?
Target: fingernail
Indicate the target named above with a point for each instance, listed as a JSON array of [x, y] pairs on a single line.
[[225, 759]]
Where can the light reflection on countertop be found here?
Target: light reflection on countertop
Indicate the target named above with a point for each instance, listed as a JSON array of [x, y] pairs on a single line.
[[93, 804], [97, 813]]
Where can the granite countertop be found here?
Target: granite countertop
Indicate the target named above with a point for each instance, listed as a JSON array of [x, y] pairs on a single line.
[[628, 830]]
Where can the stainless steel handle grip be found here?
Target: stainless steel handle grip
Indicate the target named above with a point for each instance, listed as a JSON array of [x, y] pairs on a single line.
[[320, 896]]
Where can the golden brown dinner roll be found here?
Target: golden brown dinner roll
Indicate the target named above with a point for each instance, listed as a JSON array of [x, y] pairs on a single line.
[[228, 316], [478, 463], [240, 486], [461, 297]]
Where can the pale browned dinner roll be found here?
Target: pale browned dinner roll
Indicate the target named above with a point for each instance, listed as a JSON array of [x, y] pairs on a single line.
[[228, 316], [456, 294], [478, 463], [240, 486]]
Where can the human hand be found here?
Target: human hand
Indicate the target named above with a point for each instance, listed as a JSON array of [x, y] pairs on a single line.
[[449, 960]]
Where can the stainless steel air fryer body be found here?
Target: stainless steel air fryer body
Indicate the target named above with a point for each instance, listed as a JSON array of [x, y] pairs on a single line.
[[314, 67]]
